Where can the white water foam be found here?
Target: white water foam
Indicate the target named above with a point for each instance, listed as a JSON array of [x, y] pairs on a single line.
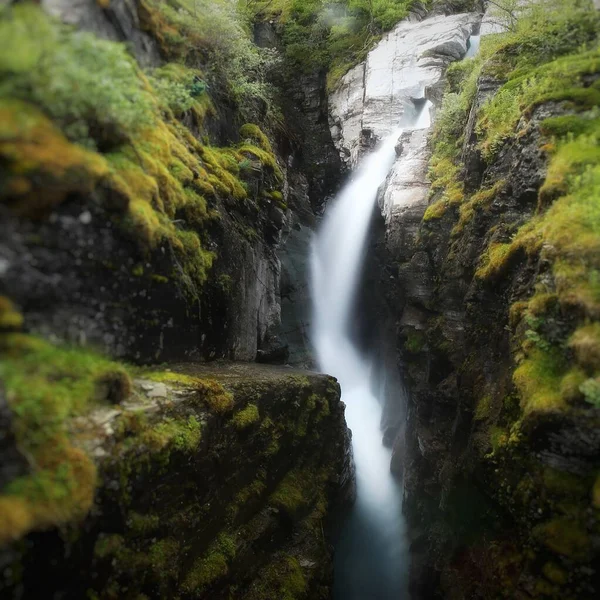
[[370, 561]]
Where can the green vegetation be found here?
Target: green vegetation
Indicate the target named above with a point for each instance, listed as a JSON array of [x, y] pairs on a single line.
[[246, 417], [564, 537], [332, 35], [282, 579], [66, 74], [216, 36], [544, 56], [65, 132], [10, 317], [294, 492], [550, 54], [211, 566], [46, 386]]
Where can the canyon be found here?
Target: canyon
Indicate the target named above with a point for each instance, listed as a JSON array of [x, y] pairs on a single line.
[[187, 239]]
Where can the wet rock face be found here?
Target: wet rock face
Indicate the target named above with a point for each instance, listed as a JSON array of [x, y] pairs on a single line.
[[78, 276], [182, 511], [379, 95]]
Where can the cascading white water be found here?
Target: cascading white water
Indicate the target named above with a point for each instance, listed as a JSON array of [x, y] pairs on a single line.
[[370, 555]]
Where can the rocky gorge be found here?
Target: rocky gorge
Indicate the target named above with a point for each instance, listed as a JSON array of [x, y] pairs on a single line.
[[163, 169]]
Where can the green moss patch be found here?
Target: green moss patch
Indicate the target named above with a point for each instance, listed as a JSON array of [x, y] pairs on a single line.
[[213, 565], [246, 417], [46, 386], [282, 579]]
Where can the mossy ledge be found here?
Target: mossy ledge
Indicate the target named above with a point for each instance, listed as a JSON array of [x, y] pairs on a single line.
[[148, 493]]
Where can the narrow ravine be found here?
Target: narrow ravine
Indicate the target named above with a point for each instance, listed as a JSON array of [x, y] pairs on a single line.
[[371, 549]]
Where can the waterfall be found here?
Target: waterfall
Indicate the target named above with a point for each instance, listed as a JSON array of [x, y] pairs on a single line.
[[370, 561]]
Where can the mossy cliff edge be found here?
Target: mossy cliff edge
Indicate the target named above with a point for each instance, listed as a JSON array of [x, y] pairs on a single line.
[[501, 352], [192, 482]]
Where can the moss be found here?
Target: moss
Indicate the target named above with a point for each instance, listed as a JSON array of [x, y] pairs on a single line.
[[213, 565], [46, 386], [564, 537], [179, 434], [151, 172], [218, 399], [267, 159], [114, 386], [246, 417], [293, 492], [282, 578], [570, 385], [256, 136], [182, 89], [108, 545], [42, 167], [10, 317], [435, 211], [143, 525], [590, 389], [554, 573], [76, 97], [585, 343], [496, 260], [172, 378], [538, 380], [484, 408], [164, 557], [477, 202]]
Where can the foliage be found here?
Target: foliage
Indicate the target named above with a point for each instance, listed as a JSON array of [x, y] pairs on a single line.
[[154, 174], [90, 87], [548, 55], [332, 35], [46, 386], [181, 89], [213, 34]]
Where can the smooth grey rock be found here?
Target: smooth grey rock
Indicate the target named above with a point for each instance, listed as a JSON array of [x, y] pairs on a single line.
[[378, 95], [160, 390]]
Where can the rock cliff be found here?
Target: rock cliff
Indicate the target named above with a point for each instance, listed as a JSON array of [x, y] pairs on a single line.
[[147, 191], [491, 270]]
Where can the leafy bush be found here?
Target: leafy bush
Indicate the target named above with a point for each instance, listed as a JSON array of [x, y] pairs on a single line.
[[215, 34]]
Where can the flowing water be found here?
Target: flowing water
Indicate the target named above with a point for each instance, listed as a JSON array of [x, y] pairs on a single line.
[[370, 558]]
